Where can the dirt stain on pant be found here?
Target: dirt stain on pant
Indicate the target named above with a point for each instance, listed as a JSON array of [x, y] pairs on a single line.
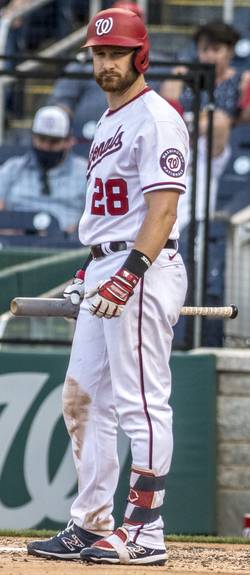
[[95, 523], [76, 412]]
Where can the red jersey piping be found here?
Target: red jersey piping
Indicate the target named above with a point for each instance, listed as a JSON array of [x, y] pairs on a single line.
[[172, 184], [111, 112]]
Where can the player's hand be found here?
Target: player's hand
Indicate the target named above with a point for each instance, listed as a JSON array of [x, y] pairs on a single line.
[[75, 291], [112, 295]]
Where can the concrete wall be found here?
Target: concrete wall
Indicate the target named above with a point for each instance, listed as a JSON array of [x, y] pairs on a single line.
[[233, 438], [35, 277], [38, 481]]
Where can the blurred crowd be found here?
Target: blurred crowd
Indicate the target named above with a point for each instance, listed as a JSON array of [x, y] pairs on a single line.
[[51, 175], [55, 20]]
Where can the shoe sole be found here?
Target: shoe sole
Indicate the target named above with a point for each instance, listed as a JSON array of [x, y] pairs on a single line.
[[51, 556], [142, 561]]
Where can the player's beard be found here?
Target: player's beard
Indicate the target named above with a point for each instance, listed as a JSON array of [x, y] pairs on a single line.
[[115, 82]]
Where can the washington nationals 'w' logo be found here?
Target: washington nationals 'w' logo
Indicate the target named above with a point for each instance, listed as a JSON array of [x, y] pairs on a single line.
[[103, 26], [172, 162], [39, 454]]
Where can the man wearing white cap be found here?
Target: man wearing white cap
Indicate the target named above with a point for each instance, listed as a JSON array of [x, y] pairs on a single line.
[[49, 177]]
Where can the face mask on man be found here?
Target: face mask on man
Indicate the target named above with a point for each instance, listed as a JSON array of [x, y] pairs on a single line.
[[48, 159]]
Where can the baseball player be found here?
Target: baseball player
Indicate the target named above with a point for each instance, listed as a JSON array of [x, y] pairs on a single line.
[[134, 286]]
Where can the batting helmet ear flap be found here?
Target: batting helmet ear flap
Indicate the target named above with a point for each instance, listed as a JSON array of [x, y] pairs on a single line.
[[135, 54], [141, 60]]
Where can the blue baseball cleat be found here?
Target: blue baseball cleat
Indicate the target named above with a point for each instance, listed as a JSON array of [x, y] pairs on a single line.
[[116, 549], [65, 545]]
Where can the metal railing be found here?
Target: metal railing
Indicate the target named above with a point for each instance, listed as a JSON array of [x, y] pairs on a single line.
[[51, 52]]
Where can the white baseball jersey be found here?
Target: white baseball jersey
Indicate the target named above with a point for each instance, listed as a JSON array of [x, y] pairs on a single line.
[[149, 144]]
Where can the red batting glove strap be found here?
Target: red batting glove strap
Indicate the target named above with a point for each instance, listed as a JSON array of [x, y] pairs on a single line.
[[127, 277], [80, 274], [120, 287]]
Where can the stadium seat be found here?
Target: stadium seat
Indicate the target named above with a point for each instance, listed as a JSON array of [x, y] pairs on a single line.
[[34, 229], [242, 21], [10, 150], [240, 138], [49, 22], [214, 287], [82, 148], [18, 226], [233, 189]]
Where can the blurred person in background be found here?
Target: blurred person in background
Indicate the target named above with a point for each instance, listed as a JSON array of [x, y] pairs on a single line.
[[17, 36], [47, 24], [131, 6], [215, 44], [49, 177], [8, 7], [52, 21]]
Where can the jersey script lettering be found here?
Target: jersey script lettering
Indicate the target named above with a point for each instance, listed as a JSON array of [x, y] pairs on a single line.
[[97, 153]]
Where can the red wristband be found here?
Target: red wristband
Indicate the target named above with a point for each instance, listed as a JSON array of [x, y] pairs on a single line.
[[80, 274]]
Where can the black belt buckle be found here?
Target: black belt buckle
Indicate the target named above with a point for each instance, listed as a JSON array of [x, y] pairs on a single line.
[[97, 252], [118, 246], [171, 245]]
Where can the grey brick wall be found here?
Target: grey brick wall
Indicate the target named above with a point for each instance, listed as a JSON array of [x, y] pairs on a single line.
[[233, 438]]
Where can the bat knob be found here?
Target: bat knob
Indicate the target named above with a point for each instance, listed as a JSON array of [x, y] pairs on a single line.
[[234, 311], [13, 306]]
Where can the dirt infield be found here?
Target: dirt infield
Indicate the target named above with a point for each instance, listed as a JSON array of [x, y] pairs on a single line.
[[183, 559]]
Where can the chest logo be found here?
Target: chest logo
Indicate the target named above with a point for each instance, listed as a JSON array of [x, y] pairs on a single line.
[[105, 148], [103, 26], [172, 162]]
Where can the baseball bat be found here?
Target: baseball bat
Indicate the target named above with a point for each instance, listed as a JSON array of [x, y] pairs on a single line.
[[52, 307], [230, 311]]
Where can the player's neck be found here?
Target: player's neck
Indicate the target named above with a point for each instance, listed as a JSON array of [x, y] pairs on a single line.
[[118, 99]]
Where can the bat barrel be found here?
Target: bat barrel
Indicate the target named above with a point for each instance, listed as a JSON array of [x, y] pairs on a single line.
[[43, 307]]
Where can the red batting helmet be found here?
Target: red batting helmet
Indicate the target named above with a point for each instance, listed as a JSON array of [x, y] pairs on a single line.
[[118, 27]]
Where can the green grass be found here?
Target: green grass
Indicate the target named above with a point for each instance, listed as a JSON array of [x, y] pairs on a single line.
[[206, 539], [27, 533], [35, 534]]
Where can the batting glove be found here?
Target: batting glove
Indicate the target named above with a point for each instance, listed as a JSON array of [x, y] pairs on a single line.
[[113, 294], [75, 291]]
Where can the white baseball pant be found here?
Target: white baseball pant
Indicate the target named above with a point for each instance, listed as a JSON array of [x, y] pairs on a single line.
[[121, 366]]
